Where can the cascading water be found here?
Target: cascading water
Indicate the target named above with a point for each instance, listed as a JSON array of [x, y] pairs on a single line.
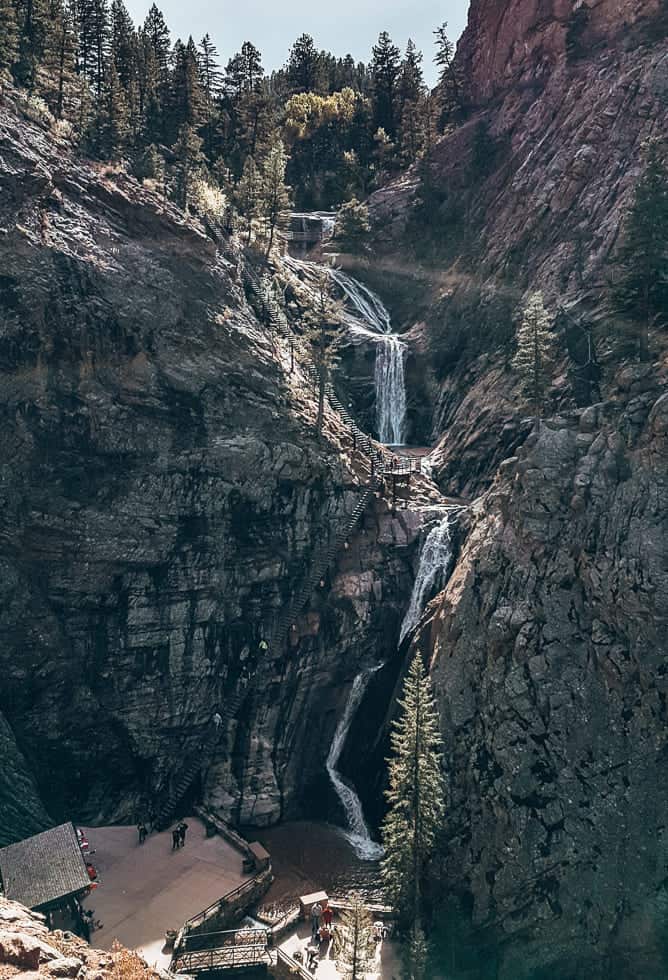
[[368, 320], [358, 832], [435, 562]]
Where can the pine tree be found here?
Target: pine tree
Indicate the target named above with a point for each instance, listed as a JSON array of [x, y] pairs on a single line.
[[186, 101], [325, 333], [534, 358], [304, 69], [60, 57], [353, 227], [211, 83], [123, 48], [9, 36], [274, 192], [449, 86], [149, 165], [384, 71], [416, 953], [415, 795], [156, 33], [641, 293], [188, 164], [355, 947], [412, 95], [33, 23], [247, 194], [113, 126]]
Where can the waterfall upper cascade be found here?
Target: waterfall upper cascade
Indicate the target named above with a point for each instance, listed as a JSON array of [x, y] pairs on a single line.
[[358, 832], [368, 320], [435, 563]]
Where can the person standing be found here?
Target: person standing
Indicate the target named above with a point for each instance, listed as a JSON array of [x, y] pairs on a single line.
[[176, 839], [142, 831], [316, 912], [182, 827]]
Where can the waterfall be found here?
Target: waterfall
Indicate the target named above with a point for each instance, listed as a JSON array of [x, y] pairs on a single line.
[[435, 562], [368, 320], [358, 832]]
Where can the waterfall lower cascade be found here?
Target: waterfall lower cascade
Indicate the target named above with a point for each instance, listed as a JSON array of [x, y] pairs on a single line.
[[435, 564], [368, 321], [358, 832]]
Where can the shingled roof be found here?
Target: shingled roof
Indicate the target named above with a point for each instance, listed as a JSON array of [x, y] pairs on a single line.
[[44, 868]]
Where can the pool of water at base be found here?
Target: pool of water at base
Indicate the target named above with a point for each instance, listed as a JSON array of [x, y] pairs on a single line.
[[308, 856]]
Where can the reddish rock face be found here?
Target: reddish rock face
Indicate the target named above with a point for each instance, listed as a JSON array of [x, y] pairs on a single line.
[[507, 44]]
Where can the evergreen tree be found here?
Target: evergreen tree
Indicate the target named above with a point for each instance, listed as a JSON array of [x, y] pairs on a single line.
[[641, 292], [415, 795], [150, 91], [149, 164], [355, 947], [412, 95], [247, 195], [101, 43], [384, 70], [352, 229], [325, 333], [534, 358], [113, 126], [211, 83], [303, 71], [60, 57], [156, 33], [186, 103], [416, 952], [188, 164], [33, 23], [449, 85], [274, 193], [123, 48], [9, 36]]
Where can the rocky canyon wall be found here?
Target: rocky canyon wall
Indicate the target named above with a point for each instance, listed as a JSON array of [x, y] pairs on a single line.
[[547, 648], [162, 494]]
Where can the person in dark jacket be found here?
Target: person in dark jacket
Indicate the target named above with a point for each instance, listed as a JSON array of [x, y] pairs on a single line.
[[176, 838], [182, 827]]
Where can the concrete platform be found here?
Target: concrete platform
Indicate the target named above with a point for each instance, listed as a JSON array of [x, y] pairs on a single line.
[[144, 890]]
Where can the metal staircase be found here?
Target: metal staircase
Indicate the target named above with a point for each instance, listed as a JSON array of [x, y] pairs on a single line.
[[198, 761], [378, 458]]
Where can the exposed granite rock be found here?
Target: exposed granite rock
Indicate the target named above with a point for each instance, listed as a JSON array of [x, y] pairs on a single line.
[[162, 495], [548, 656], [28, 949]]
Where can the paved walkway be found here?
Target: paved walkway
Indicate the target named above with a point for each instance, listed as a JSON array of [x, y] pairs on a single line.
[[145, 890]]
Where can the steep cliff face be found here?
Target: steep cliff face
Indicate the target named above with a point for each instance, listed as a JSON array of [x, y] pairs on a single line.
[[547, 646], [548, 656], [162, 493]]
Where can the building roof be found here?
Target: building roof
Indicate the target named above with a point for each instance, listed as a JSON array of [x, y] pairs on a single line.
[[44, 868]]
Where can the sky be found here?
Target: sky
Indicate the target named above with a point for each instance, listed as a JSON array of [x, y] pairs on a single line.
[[340, 26]]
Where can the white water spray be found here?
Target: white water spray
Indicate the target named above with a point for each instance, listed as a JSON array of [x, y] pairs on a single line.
[[368, 321], [358, 832], [435, 563]]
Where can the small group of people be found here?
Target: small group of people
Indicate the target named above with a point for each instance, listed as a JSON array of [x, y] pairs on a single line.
[[146, 827], [179, 835], [321, 922]]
